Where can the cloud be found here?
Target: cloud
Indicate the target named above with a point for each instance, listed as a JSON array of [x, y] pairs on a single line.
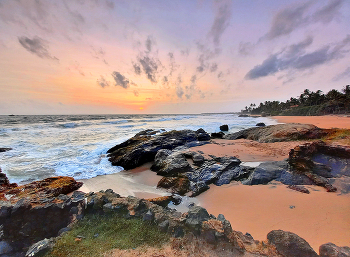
[[178, 89], [245, 48], [293, 17], [137, 69], [150, 67], [343, 75], [206, 54], [295, 58], [173, 66], [288, 19], [213, 67], [36, 46], [223, 14], [120, 80], [149, 43], [102, 82], [136, 92], [328, 12]]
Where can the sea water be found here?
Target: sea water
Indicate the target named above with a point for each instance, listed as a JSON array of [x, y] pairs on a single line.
[[76, 145]]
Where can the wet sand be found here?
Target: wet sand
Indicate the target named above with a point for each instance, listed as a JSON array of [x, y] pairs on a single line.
[[318, 217], [327, 121]]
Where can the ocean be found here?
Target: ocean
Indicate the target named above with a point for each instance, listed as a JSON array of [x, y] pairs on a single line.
[[76, 145]]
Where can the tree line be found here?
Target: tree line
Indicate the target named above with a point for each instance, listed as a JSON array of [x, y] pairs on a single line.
[[307, 103]]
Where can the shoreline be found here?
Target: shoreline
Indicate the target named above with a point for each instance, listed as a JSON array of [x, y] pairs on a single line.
[[318, 217]]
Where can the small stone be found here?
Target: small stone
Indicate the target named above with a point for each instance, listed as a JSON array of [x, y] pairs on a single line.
[[96, 235], [291, 206]]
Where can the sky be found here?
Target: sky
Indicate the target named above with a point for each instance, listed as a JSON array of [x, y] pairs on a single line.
[[178, 56]]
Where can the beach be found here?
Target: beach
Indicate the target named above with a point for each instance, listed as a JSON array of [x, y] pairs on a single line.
[[318, 217], [327, 121]]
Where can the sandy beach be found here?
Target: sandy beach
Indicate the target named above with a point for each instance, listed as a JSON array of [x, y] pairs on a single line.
[[327, 121], [318, 217]]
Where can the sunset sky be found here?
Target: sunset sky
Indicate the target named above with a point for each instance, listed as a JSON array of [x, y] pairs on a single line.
[[178, 56]]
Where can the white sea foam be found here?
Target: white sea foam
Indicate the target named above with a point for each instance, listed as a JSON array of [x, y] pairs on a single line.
[[76, 145]]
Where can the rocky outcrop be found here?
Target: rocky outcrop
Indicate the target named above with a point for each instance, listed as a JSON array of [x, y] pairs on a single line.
[[217, 135], [280, 132], [144, 146], [289, 244], [260, 124], [36, 211], [224, 127], [331, 250], [4, 149]]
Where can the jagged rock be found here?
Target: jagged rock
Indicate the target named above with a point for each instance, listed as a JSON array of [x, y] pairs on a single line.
[[177, 185], [227, 176], [331, 250], [280, 132], [195, 216], [266, 172], [299, 189], [40, 248], [289, 244], [172, 165], [260, 124], [162, 200], [143, 147], [217, 135], [198, 188], [224, 127]]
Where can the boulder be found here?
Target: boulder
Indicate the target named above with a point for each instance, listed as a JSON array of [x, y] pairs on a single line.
[[224, 127], [243, 115], [177, 185], [260, 124], [4, 149], [289, 244], [280, 132], [143, 147], [266, 172], [196, 215], [172, 165], [217, 135], [331, 250]]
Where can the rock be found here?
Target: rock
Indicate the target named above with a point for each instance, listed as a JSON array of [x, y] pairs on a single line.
[[196, 215], [217, 135], [197, 159], [148, 216], [331, 250], [177, 185], [163, 226], [299, 189], [260, 124], [266, 172], [289, 244], [5, 247], [143, 147], [224, 127], [40, 248], [63, 231], [4, 149], [243, 115], [172, 165], [279, 133], [198, 188], [162, 200], [227, 176]]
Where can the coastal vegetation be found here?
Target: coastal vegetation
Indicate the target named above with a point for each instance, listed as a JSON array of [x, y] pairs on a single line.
[[97, 234], [308, 103]]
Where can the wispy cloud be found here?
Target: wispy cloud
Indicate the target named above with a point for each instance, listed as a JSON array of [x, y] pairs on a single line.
[[36, 46], [222, 18], [149, 67], [120, 80], [343, 75], [102, 82], [295, 58]]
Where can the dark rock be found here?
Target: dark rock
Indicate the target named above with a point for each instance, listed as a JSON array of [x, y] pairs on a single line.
[[299, 189], [174, 164], [279, 133], [4, 149], [63, 231], [5, 248], [40, 248], [148, 216], [196, 215], [198, 159], [198, 188], [143, 148], [243, 115], [217, 135], [163, 226], [331, 250], [227, 176], [224, 127], [266, 172], [200, 131], [289, 244], [260, 124]]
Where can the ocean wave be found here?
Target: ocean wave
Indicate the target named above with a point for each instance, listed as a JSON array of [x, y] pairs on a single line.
[[69, 125]]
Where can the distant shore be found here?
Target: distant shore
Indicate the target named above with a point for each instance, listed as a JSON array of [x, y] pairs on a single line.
[[326, 121]]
